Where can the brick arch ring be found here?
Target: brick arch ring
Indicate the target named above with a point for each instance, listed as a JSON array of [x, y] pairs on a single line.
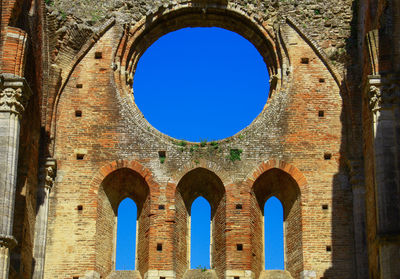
[[205, 164], [110, 167], [136, 38], [294, 172]]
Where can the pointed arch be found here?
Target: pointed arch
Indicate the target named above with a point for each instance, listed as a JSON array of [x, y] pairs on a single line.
[[196, 183], [110, 167], [290, 169], [121, 180], [213, 167], [285, 182]]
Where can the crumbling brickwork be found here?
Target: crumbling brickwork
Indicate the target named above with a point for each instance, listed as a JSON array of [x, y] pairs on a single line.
[[326, 143]]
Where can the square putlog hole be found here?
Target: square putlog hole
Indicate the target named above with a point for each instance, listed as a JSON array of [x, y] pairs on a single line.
[[328, 248], [161, 207], [98, 55], [325, 206], [327, 156], [79, 85], [159, 247], [239, 206], [80, 156], [79, 207], [236, 277], [162, 155], [304, 60], [162, 277], [321, 80], [78, 113], [239, 247], [321, 113]]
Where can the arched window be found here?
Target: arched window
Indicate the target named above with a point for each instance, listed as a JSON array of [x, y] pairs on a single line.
[[277, 195], [126, 235], [273, 234], [200, 217], [197, 183], [122, 222]]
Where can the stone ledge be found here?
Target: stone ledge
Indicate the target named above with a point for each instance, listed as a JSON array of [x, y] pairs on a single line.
[[275, 274], [124, 274], [200, 274]]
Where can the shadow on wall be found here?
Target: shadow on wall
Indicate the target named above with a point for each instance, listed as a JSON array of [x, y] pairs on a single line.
[[341, 251]]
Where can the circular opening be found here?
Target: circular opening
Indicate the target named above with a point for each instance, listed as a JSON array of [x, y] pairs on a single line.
[[203, 83]]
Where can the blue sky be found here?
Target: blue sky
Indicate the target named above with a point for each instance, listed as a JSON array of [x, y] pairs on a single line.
[[200, 84]]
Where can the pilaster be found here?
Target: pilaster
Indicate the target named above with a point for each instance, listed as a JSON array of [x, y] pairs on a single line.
[[14, 94], [47, 177], [384, 102], [357, 182]]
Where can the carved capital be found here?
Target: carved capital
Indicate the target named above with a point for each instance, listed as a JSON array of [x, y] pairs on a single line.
[[14, 94], [375, 98], [11, 100], [383, 93], [48, 173]]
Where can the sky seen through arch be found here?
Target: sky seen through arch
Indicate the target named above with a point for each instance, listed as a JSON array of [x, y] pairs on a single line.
[[201, 84]]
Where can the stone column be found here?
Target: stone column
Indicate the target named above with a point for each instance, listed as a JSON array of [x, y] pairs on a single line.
[[359, 217], [46, 181], [14, 94], [384, 100]]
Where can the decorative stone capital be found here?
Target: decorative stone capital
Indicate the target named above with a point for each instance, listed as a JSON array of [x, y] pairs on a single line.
[[383, 92], [7, 241], [48, 173], [14, 94], [375, 98]]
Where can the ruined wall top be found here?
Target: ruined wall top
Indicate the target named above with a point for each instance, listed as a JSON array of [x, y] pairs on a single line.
[[327, 22]]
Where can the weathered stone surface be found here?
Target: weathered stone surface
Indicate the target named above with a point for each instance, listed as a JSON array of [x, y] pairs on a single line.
[[124, 274], [200, 274], [327, 22], [275, 274], [14, 94]]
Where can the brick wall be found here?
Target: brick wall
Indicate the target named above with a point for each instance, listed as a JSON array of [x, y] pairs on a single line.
[[181, 260], [290, 133]]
